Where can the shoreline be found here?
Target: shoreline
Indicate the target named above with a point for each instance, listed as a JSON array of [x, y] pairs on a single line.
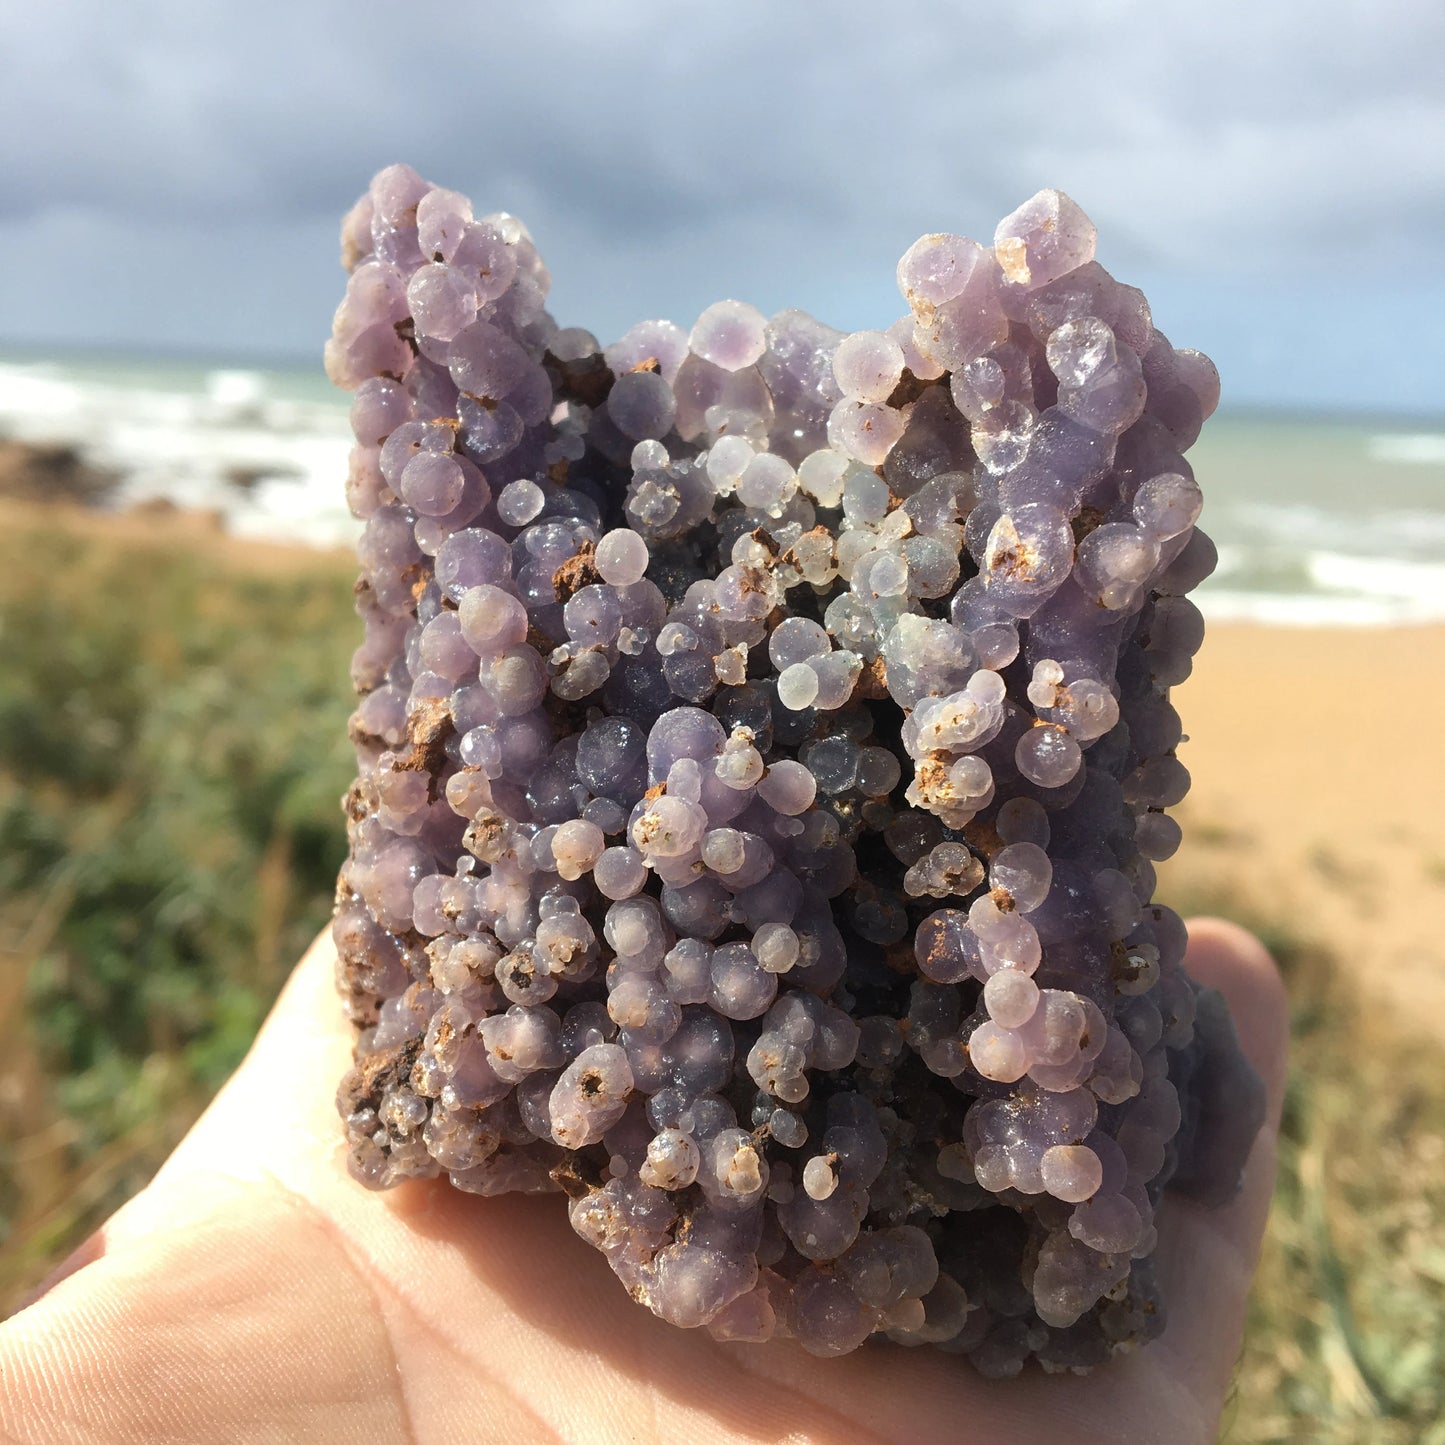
[[1314, 805], [164, 525]]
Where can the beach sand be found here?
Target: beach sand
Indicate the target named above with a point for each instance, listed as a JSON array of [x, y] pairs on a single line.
[[169, 528], [1318, 798]]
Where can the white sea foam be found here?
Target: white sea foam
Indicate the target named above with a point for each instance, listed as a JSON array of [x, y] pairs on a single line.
[[1323, 588], [273, 466], [1285, 609], [1410, 448], [1421, 583], [267, 451], [1359, 561]]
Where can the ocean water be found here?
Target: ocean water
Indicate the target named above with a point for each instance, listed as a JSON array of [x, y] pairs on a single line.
[[266, 449], [1323, 520], [1318, 520]]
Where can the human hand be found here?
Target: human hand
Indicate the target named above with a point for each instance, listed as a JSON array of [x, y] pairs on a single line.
[[255, 1292]]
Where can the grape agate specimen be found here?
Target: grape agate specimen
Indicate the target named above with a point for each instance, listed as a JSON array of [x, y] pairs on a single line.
[[764, 748]]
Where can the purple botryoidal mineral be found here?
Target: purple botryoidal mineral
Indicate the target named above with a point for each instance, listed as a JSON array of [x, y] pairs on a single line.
[[764, 747]]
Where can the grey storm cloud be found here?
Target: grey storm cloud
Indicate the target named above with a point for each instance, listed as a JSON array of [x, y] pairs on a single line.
[[171, 171]]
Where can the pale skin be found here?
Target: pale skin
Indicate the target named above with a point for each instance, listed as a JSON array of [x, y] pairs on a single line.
[[254, 1292]]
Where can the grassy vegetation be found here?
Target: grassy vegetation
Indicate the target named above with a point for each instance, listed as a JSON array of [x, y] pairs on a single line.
[[172, 749], [172, 752]]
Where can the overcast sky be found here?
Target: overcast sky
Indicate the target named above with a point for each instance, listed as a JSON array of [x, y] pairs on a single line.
[[171, 172]]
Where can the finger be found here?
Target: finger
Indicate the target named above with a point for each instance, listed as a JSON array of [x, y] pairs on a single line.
[[242, 1318], [1207, 1257], [273, 1118], [276, 1115], [85, 1253], [1225, 956]]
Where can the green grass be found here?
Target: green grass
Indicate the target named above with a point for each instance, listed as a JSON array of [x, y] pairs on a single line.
[[172, 752]]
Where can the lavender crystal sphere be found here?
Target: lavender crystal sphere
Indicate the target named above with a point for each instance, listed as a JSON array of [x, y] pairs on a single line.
[[764, 747]]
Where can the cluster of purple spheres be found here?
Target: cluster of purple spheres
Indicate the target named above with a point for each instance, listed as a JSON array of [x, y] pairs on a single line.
[[764, 748]]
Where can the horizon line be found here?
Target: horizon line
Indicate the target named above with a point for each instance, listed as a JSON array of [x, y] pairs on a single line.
[[13, 352]]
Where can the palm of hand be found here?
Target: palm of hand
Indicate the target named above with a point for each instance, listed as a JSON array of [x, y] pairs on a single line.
[[254, 1292]]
